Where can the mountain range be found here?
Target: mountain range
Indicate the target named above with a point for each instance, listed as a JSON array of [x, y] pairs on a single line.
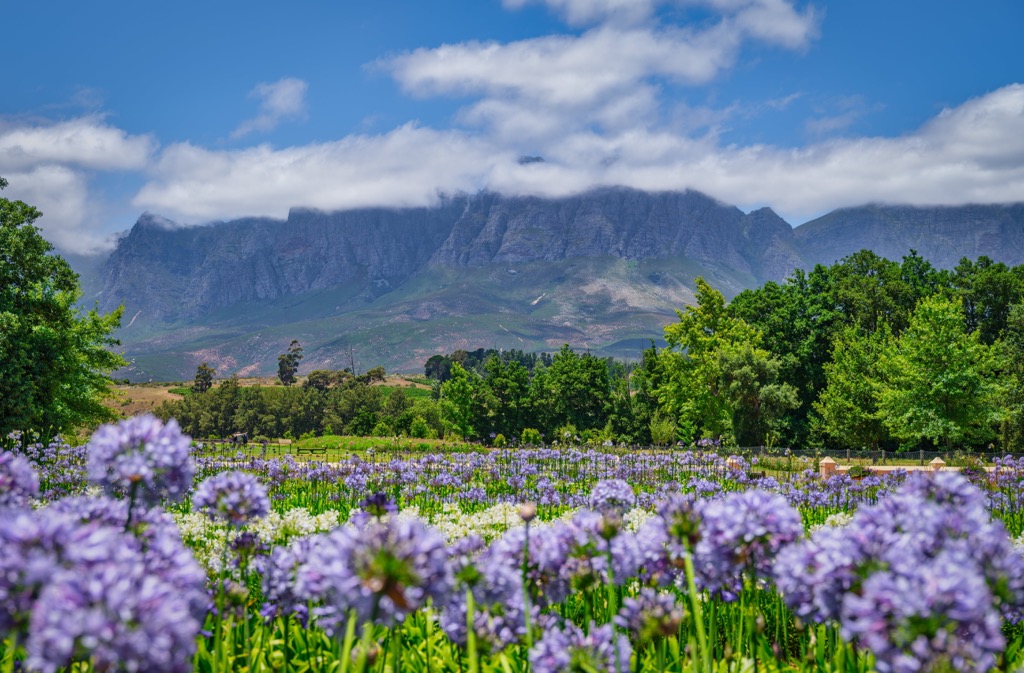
[[603, 271]]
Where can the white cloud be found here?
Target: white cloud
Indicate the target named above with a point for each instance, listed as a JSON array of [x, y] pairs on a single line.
[[579, 12], [405, 167], [50, 166], [972, 153], [608, 78], [280, 101], [561, 70], [69, 218], [86, 142]]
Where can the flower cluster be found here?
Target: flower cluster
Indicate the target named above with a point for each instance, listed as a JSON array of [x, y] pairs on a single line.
[[612, 495], [920, 578], [740, 535], [498, 599], [142, 458], [651, 614], [383, 571], [235, 498], [77, 590], [19, 483], [569, 649]]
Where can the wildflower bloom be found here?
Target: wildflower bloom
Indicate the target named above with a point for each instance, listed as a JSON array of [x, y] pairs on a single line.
[[233, 497], [89, 590], [651, 614], [546, 554], [920, 578], [141, 457], [741, 533], [612, 495], [117, 614], [154, 534], [279, 571], [592, 541], [569, 649], [19, 483], [498, 598], [384, 571]]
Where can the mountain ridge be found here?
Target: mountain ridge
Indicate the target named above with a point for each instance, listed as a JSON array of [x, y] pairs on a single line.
[[597, 270]]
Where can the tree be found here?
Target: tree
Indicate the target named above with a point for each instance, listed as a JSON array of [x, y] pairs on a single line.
[[988, 290], [438, 368], [848, 406], [320, 379], [1012, 431], [692, 387], [204, 378], [574, 391], [749, 381], [288, 363], [462, 402], [54, 360], [508, 384], [938, 381]]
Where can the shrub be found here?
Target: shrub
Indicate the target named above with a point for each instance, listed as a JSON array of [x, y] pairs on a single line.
[[531, 436], [499, 441], [419, 428]]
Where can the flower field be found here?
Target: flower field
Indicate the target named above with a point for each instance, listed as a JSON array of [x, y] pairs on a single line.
[[140, 551]]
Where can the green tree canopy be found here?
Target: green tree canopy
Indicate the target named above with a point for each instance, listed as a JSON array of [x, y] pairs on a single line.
[[288, 363], [54, 360], [938, 381], [692, 387], [848, 406], [204, 378]]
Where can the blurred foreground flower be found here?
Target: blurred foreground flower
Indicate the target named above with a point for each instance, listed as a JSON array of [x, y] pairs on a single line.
[[141, 458], [569, 649], [19, 483]]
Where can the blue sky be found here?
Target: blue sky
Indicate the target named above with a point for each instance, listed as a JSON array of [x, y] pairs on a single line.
[[200, 111]]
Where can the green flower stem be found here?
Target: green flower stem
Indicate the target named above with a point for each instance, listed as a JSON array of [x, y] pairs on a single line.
[[698, 615]]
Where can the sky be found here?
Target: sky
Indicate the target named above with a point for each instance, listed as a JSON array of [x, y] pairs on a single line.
[[201, 111]]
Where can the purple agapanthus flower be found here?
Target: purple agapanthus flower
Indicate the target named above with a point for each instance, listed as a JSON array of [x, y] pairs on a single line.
[[116, 614], [650, 614], [590, 548], [19, 483], [740, 535], [548, 549], [667, 539], [925, 617], [498, 597], [143, 458], [79, 590], [919, 578], [815, 575], [279, 571], [612, 495], [569, 649], [235, 498], [384, 571], [154, 534]]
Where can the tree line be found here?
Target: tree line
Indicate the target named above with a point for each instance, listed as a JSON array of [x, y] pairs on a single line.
[[866, 353]]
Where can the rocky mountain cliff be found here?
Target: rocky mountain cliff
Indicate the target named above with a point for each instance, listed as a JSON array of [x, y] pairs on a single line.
[[604, 270], [942, 235], [174, 273]]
